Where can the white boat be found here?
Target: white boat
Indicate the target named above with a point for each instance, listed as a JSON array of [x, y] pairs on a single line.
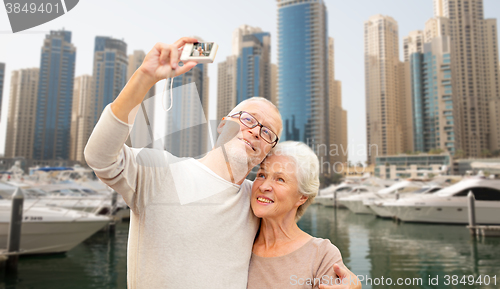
[[327, 196], [450, 205], [50, 230], [379, 206], [356, 205], [65, 195]]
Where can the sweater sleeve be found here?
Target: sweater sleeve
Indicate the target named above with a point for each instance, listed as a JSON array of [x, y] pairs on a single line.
[[112, 161]]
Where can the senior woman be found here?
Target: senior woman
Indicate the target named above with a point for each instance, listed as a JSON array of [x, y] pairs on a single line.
[[283, 255]]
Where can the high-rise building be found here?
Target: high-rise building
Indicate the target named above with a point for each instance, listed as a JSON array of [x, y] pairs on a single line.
[[337, 123], [55, 97], [303, 78], [134, 62], [187, 126], [81, 117], [413, 43], [436, 27], [140, 131], [109, 73], [274, 84], [386, 101], [253, 63], [22, 113], [474, 66], [432, 96], [226, 86], [247, 72], [2, 77]]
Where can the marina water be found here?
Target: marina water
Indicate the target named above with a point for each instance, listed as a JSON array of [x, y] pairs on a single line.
[[372, 248]]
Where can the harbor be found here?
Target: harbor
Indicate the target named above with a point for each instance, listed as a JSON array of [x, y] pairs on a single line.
[[418, 231], [371, 247]]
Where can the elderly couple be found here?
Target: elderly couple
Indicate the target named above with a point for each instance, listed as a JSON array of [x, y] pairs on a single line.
[[200, 223]]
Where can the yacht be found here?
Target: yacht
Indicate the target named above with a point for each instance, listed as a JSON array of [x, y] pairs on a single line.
[[326, 196], [450, 205], [47, 230], [356, 205], [380, 206]]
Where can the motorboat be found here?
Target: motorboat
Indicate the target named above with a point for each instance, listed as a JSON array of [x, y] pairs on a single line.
[[356, 205], [327, 196], [46, 230], [379, 206], [66, 196], [450, 205], [351, 186]]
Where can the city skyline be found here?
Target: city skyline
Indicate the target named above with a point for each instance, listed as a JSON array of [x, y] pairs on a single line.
[[351, 75]]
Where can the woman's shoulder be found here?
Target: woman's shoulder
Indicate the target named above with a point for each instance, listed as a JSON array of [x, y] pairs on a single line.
[[326, 249]]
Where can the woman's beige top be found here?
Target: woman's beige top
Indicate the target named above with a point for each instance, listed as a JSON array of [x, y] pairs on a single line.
[[306, 267]]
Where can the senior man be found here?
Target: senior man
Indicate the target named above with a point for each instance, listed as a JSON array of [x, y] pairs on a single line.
[[191, 225]]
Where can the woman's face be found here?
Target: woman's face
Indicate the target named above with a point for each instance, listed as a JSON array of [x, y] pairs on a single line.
[[275, 193]]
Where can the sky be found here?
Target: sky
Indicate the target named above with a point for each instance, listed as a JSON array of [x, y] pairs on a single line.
[[143, 23]]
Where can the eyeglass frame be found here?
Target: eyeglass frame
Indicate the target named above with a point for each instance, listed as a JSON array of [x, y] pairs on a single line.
[[258, 124]]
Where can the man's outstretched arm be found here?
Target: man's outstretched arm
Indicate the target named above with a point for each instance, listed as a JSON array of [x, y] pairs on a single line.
[[160, 63], [105, 152]]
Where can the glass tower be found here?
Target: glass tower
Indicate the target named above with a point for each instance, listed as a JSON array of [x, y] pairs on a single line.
[[247, 71], [55, 96], [253, 67], [303, 70], [110, 72], [432, 97]]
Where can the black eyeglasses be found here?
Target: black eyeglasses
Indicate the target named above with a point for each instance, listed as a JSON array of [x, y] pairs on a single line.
[[250, 121]]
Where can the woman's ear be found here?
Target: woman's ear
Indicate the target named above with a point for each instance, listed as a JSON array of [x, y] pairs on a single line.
[[302, 200]]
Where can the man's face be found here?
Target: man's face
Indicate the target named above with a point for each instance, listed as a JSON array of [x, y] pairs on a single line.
[[249, 139]]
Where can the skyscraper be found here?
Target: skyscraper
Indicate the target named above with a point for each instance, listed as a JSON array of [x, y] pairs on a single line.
[[2, 77], [81, 117], [337, 123], [247, 72], [474, 66], [274, 82], [226, 86], [436, 27], [55, 96], [303, 71], [110, 72], [187, 126], [140, 131], [253, 63], [22, 113], [385, 89], [432, 96]]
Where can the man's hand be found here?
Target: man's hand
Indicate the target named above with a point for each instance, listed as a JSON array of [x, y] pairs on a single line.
[[346, 279], [162, 61]]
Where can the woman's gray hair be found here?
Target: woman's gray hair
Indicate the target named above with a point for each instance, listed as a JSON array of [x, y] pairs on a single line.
[[306, 169]]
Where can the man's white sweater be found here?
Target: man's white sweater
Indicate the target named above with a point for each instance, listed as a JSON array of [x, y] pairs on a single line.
[[189, 228]]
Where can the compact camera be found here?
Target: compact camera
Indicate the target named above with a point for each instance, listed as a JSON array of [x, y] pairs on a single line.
[[201, 52]]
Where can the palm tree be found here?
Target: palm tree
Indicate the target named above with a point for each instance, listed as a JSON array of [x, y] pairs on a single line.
[[459, 154], [485, 153]]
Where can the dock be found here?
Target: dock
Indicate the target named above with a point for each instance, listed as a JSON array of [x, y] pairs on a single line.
[[485, 231], [479, 230]]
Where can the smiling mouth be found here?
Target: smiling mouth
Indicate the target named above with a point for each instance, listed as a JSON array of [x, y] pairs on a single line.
[[248, 143], [264, 200]]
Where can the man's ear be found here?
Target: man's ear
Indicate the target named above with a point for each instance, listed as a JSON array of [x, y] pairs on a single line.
[[222, 123]]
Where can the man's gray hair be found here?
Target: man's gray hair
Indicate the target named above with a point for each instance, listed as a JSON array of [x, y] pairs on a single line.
[[306, 169]]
